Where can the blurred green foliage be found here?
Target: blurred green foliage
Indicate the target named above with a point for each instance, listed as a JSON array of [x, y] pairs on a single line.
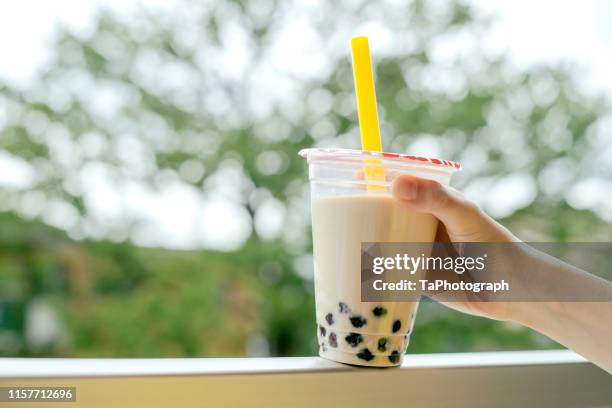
[[149, 100]]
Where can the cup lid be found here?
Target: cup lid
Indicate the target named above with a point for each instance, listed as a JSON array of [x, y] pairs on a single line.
[[344, 154]]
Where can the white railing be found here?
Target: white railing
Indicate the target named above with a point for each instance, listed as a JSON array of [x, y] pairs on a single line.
[[531, 378]]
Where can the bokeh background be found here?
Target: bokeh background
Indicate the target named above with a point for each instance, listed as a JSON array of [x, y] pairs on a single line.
[[151, 199]]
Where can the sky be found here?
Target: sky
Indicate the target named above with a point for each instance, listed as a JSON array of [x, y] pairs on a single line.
[[532, 32], [546, 31]]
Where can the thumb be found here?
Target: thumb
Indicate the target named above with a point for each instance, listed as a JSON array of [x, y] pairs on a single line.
[[461, 217]]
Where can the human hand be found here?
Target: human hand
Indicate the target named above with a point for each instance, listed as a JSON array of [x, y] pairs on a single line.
[[585, 327], [461, 220]]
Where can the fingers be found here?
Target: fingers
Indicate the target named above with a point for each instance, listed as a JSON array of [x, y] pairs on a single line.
[[431, 197], [463, 220]]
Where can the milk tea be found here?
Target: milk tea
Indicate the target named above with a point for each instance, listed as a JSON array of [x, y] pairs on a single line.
[[351, 331]]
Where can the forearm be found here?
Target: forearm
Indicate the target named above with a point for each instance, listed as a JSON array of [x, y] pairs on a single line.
[[584, 326]]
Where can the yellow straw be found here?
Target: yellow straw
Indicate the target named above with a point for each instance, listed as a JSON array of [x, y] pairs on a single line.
[[366, 108]]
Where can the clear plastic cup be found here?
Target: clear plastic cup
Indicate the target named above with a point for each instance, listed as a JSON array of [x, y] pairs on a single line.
[[349, 208]]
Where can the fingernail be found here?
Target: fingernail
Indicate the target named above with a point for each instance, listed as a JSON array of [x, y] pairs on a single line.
[[407, 190]]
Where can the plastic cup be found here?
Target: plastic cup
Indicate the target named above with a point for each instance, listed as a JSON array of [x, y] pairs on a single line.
[[348, 209]]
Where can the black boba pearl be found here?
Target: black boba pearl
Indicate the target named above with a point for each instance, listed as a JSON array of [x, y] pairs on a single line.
[[396, 326], [323, 348], [358, 321], [343, 307], [329, 318], [322, 330], [382, 344], [333, 340], [365, 354], [379, 311], [394, 357], [353, 339]]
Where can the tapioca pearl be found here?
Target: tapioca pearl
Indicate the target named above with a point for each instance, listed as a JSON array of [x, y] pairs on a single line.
[[365, 354], [333, 340], [353, 339], [323, 348], [358, 321], [397, 325], [394, 357], [343, 307], [379, 311], [329, 318], [322, 330], [382, 344]]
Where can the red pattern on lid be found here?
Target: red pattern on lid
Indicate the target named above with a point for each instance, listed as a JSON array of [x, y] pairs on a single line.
[[384, 155], [391, 155]]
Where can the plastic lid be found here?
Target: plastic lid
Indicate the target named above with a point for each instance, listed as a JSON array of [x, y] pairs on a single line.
[[340, 154]]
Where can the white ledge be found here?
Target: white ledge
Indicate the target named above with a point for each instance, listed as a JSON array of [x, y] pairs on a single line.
[[113, 367]]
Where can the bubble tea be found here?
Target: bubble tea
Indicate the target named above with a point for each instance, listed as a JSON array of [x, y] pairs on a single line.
[[348, 209]]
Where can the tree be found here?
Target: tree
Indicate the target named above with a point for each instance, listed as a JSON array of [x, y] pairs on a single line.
[[209, 98]]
